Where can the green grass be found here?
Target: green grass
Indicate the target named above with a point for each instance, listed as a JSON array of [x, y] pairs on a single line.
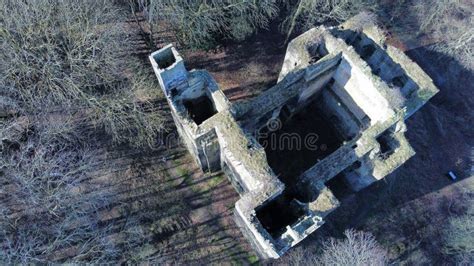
[[253, 259], [215, 181]]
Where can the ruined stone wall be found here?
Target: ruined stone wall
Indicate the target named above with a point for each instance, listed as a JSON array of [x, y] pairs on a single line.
[[357, 82]]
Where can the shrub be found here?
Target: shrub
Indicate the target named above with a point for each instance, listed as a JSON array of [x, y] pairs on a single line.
[[459, 236], [395, 97]]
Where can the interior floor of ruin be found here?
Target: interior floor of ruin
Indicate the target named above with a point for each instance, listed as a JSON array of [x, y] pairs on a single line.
[[287, 153]]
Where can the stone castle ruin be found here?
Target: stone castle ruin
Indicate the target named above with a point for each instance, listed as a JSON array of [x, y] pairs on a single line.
[[342, 85]]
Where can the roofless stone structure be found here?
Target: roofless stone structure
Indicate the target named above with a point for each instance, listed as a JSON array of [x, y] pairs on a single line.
[[333, 124]]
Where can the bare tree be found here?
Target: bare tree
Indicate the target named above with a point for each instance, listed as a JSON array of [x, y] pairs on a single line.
[[308, 13], [67, 56], [143, 6], [358, 248], [45, 208], [451, 24], [298, 256], [63, 70], [201, 23], [56, 51]]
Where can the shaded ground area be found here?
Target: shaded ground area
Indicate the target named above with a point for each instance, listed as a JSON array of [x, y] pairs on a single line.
[[167, 210], [301, 142]]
